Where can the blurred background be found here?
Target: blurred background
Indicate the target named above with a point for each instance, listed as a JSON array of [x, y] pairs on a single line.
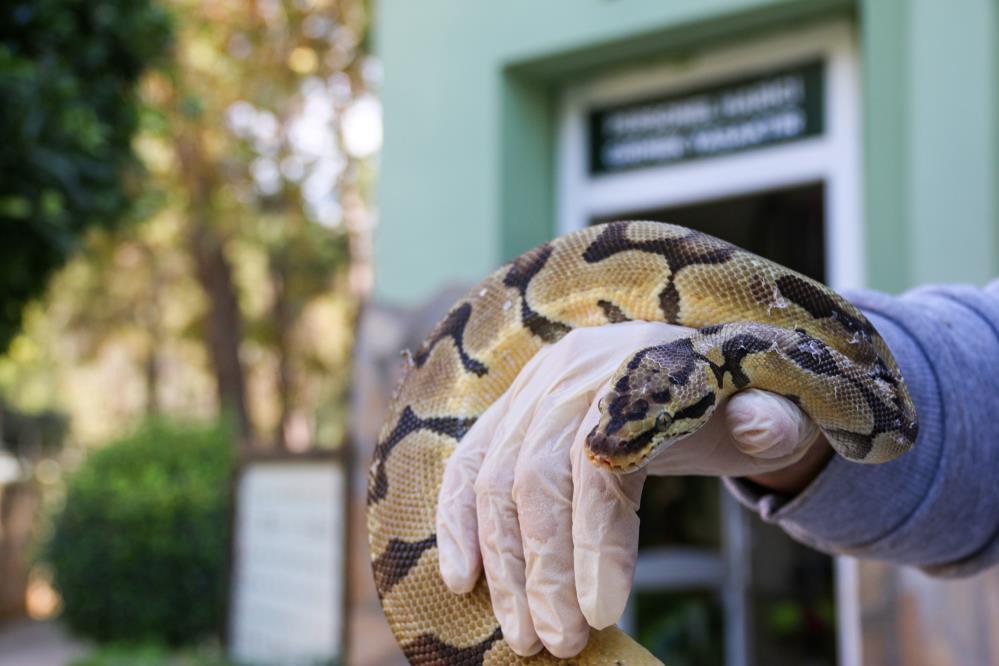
[[210, 263]]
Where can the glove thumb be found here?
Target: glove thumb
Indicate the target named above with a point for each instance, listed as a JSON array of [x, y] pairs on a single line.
[[766, 425]]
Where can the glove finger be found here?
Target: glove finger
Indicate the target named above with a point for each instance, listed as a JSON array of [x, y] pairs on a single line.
[[542, 491], [499, 529], [503, 556], [460, 561], [769, 426], [604, 532]]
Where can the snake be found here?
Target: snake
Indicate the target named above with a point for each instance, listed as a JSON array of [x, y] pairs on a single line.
[[754, 323]]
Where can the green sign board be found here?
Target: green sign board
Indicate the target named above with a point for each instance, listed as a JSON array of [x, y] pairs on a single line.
[[778, 107]]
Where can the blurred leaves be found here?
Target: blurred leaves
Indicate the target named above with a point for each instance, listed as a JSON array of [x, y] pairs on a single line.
[[68, 70], [250, 151]]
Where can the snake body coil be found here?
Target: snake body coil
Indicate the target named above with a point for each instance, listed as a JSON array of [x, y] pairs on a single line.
[[760, 324]]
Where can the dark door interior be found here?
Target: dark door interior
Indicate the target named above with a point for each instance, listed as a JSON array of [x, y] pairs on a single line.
[[785, 225]]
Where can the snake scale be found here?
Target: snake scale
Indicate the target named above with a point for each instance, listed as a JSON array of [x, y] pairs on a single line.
[[759, 324]]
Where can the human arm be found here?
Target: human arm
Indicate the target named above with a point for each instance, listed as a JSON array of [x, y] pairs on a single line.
[[937, 507]]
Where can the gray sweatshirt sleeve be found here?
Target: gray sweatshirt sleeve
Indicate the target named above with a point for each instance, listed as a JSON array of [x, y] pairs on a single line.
[[937, 506]]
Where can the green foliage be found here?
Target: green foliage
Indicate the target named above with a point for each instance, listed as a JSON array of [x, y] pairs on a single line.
[[150, 654], [68, 71], [139, 549]]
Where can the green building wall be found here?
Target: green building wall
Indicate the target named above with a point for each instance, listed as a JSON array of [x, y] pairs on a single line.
[[467, 172]]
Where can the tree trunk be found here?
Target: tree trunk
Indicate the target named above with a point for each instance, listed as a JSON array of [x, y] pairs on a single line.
[[224, 326], [152, 375], [152, 320], [281, 313], [224, 329]]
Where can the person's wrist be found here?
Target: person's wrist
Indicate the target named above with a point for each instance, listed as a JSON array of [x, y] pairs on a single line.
[[794, 478]]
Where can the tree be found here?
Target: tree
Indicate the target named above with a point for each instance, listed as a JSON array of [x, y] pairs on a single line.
[[239, 280], [68, 71], [250, 120]]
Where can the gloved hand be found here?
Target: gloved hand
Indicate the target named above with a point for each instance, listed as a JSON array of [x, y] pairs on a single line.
[[558, 536]]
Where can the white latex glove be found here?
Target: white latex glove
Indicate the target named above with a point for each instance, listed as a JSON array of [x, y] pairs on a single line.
[[557, 536]]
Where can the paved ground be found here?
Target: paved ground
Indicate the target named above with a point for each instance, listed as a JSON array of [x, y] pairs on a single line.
[[28, 643]]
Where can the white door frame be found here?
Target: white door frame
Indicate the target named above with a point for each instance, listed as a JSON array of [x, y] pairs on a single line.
[[832, 158]]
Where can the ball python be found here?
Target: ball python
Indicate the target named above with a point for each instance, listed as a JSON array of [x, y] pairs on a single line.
[[758, 324]]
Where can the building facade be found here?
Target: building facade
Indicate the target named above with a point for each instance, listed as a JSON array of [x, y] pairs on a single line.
[[856, 141]]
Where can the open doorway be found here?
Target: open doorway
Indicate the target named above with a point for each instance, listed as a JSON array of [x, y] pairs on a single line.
[[786, 225]]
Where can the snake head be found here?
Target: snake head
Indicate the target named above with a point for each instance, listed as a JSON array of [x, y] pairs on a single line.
[[659, 395]]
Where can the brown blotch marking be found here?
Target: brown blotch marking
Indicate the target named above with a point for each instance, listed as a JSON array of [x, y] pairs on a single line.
[[694, 248], [697, 409], [887, 418], [453, 326], [820, 304], [639, 409], [612, 312], [396, 561], [812, 354], [622, 410], [669, 301], [605, 446], [679, 358], [734, 350], [428, 650], [636, 360], [761, 289], [523, 269], [409, 422], [859, 444]]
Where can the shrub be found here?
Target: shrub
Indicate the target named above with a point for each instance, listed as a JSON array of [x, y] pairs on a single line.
[[153, 655], [139, 548]]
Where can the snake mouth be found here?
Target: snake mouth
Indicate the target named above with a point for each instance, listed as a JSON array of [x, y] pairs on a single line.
[[619, 465], [622, 455]]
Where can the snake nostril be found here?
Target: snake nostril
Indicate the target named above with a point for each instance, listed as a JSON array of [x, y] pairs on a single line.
[[599, 443], [593, 437]]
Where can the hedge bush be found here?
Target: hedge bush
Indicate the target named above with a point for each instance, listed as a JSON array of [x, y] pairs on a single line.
[[139, 549], [153, 655]]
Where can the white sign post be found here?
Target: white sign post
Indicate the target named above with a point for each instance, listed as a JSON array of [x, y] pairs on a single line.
[[289, 536]]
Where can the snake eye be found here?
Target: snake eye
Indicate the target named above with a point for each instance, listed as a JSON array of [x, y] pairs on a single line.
[[663, 422], [604, 403]]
